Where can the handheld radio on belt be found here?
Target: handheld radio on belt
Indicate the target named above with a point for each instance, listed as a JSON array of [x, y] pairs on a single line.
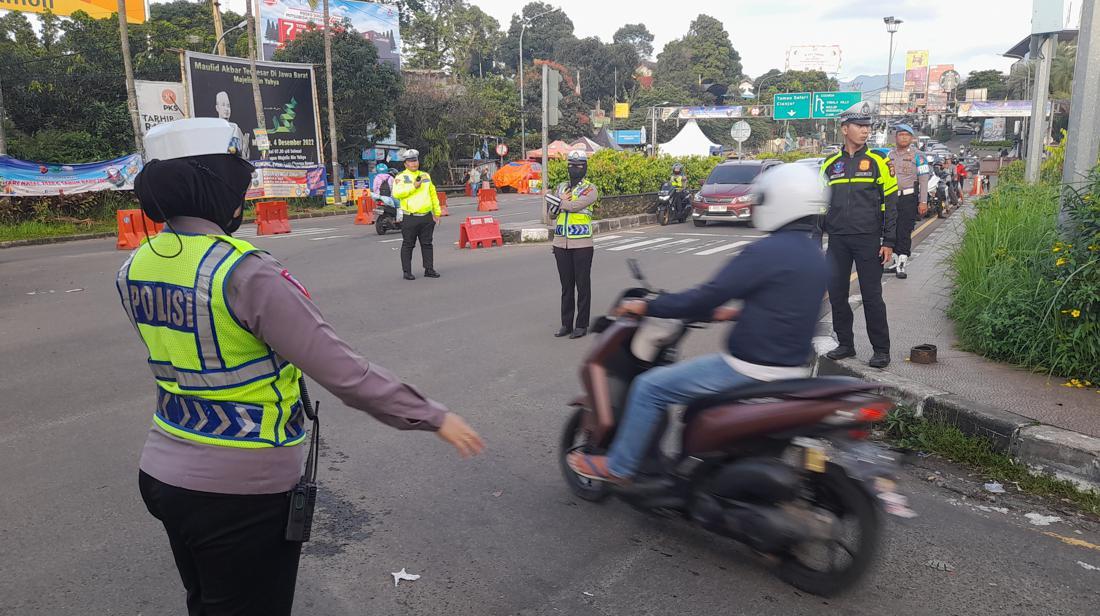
[[303, 498]]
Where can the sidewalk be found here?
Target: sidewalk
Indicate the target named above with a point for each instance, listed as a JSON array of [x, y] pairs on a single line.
[[1019, 410]]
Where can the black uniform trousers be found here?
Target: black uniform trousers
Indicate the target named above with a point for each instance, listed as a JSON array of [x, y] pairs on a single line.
[[230, 549], [416, 227], [907, 219], [575, 273], [861, 249]]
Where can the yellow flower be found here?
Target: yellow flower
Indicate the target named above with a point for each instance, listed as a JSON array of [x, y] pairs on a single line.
[[1061, 261], [1093, 248], [1075, 313], [1057, 247]]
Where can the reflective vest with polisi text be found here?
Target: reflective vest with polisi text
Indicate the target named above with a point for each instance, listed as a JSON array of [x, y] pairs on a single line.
[[575, 225], [216, 382]]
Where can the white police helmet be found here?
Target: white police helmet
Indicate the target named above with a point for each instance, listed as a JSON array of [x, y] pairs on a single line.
[[786, 193], [410, 154], [577, 157], [193, 137]]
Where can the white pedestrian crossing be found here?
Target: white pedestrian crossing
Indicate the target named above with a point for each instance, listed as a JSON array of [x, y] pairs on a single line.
[[251, 233], [639, 244], [722, 248], [695, 245]]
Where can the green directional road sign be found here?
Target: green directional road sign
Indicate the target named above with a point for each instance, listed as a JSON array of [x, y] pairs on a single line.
[[792, 106], [831, 104]]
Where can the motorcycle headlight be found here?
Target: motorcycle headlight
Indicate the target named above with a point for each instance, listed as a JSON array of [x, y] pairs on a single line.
[[698, 198]]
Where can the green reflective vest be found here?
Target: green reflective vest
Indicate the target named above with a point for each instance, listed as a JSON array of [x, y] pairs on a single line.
[[575, 225], [216, 382]]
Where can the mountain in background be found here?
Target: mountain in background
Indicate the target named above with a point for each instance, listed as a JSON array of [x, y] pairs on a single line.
[[873, 83]]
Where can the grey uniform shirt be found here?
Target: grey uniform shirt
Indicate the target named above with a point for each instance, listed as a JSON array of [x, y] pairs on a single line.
[[912, 170], [275, 308], [569, 204]]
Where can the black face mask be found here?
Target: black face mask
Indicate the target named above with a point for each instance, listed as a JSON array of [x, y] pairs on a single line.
[[234, 223], [577, 173]]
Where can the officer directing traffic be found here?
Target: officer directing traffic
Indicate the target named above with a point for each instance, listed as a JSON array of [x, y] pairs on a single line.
[[572, 204], [421, 212], [229, 332], [913, 172], [862, 225]]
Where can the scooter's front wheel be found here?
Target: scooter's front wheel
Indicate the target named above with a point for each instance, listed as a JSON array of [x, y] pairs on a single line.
[[574, 438], [829, 567]]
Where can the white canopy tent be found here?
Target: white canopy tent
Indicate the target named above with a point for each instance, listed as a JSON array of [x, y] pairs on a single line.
[[690, 141]]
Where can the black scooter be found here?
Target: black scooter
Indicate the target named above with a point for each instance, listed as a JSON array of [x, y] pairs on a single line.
[[672, 205], [385, 218]]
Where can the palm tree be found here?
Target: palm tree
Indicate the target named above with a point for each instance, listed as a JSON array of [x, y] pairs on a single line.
[[1061, 71]]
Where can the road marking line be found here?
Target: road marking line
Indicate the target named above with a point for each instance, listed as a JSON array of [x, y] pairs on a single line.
[[388, 241], [693, 248], [620, 241], [723, 248], [639, 244], [1080, 543], [707, 234], [604, 238], [327, 237], [666, 245]]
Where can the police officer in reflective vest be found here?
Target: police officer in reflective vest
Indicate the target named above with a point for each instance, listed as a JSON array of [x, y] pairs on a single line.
[[861, 222], [228, 332], [913, 172], [572, 204], [420, 204]]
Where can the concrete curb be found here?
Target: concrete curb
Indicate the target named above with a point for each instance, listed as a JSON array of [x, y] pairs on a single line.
[[544, 234], [1068, 455], [57, 239]]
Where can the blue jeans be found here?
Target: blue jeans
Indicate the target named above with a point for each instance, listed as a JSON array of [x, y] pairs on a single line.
[[653, 392]]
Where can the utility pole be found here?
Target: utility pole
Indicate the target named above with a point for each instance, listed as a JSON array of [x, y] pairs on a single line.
[[331, 112], [216, 6], [128, 68], [3, 136], [1083, 135], [257, 100], [1039, 109], [653, 112], [545, 141]]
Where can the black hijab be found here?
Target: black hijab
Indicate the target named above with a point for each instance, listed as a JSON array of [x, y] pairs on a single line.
[[211, 186]]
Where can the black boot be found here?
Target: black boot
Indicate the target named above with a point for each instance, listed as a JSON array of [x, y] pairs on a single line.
[[879, 360], [841, 352], [431, 274], [580, 332], [409, 276], [563, 332]]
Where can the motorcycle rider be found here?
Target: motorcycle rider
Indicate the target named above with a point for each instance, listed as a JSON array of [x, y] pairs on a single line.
[[781, 279], [382, 188], [677, 184]]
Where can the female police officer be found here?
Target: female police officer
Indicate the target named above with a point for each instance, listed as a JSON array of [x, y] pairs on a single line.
[[229, 332]]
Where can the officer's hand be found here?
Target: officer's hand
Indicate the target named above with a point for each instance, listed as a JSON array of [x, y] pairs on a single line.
[[922, 208], [724, 313], [458, 433], [886, 253], [435, 218], [636, 307]]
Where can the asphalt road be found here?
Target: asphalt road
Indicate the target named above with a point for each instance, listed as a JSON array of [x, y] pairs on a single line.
[[496, 535]]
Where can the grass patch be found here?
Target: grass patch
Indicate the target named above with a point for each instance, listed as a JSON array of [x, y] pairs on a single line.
[[906, 429], [34, 230]]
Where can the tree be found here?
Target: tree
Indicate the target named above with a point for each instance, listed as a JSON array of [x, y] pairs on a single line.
[[776, 81], [637, 36], [598, 64], [365, 91], [541, 35], [995, 81], [705, 53]]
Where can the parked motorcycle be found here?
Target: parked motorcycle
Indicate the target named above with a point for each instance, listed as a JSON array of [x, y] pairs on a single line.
[[672, 205], [937, 192], [781, 466]]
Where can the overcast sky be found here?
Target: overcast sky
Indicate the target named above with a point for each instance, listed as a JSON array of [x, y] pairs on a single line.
[[971, 34]]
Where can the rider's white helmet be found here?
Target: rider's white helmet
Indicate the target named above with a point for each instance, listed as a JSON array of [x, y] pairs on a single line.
[[193, 137], [786, 193]]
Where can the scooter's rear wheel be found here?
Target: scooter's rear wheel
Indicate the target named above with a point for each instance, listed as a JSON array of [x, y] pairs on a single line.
[[829, 567], [381, 225], [574, 438]]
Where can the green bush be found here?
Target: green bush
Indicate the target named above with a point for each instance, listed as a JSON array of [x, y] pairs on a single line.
[[1023, 296], [787, 157], [627, 173], [76, 208]]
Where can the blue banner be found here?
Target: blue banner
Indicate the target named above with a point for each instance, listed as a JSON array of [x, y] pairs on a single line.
[[629, 137], [22, 178]]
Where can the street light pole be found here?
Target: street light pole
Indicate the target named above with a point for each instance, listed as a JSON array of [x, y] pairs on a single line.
[[892, 24], [219, 45], [522, 111]]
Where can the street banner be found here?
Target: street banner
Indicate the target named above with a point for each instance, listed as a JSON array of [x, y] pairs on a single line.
[[996, 109], [23, 178], [993, 129], [272, 181], [136, 12], [824, 58], [158, 102], [220, 87], [622, 111], [699, 113], [937, 96], [916, 74], [281, 21], [629, 137]]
